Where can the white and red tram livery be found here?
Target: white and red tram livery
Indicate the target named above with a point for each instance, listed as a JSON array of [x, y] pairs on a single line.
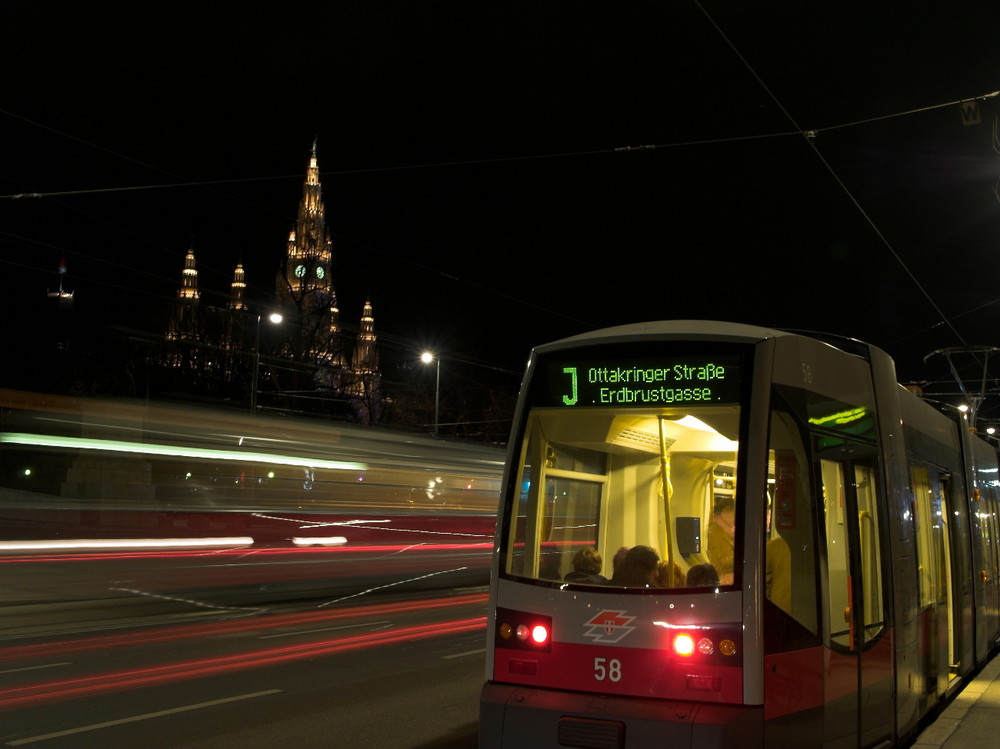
[[855, 575]]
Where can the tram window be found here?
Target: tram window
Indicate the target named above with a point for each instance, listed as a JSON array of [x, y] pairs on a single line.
[[790, 551], [566, 519], [921, 488], [838, 569], [566, 458], [518, 561], [572, 522], [609, 480], [866, 488], [986, 511]]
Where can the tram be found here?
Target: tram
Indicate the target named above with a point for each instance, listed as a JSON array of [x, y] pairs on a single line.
[[61, 452], [719, 535]]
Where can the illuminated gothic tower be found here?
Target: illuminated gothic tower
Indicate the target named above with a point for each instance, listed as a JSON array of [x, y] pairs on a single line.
[[365, 359], [364, 362], [189, 279], [366, 378], [305, 284], [235, 324], [185, 320], [238, 290]]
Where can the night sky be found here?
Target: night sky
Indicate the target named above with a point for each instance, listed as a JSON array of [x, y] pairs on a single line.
[[482, 169]]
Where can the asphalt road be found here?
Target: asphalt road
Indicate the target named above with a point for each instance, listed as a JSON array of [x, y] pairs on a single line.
[[386, 672]]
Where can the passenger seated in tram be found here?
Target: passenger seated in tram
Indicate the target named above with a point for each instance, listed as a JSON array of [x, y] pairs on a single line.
[[548, 567], [637, 568], [702, 576], [721, 538], [587, 565], [618, 557], [669, 576]]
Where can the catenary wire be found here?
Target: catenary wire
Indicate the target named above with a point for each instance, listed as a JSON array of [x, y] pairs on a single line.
[[810, 139]]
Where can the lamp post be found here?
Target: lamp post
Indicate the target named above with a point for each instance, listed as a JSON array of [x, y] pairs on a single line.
[[427, 357], [275, 319]]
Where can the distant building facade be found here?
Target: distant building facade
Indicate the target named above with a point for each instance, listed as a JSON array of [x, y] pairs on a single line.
[[307, 361]]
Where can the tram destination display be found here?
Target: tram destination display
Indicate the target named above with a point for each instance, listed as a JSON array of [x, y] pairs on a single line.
[[639, 382]]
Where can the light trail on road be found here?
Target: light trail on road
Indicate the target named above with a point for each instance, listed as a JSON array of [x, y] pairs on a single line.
[[86, 686], [228, 626]]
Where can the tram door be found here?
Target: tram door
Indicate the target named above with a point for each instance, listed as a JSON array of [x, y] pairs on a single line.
[[858, 669], [937, 630]]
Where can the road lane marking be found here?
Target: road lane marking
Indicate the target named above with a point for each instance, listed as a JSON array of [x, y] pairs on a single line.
[[462, 655], [202, 604], [137, 718], [390, 585]]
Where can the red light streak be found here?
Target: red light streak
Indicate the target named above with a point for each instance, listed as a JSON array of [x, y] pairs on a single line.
[[101, 683], [230, 626]]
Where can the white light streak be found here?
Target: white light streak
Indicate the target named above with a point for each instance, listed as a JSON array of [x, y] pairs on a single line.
[[142, 448], [125, 543]]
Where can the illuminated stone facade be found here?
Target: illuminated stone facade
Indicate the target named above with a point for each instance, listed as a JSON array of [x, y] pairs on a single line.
[[305, 355], [304, 288]]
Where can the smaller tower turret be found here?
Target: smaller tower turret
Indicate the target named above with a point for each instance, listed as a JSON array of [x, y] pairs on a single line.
[[237, 296]]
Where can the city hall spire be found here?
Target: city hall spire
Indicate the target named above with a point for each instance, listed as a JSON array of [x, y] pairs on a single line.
[[305, 283]]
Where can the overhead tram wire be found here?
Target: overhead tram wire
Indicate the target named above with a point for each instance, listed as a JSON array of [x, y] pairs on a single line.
[[404, 167], [809, 137], [59, 194], [918, 110], [181, 182], [969, 311], [798, 131]]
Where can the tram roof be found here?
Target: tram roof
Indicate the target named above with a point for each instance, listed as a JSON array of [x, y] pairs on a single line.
[[700, 329], [694, 329]]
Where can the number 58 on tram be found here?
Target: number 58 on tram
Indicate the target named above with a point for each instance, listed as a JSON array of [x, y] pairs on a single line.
[[718, 535]]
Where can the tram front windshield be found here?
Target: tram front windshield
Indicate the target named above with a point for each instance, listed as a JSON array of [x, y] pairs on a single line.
[[627, 472]]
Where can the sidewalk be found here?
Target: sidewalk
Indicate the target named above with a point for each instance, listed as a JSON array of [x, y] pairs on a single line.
[[972, 720]]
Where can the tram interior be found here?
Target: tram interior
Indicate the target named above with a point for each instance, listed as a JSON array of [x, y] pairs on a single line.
[[605, 480]]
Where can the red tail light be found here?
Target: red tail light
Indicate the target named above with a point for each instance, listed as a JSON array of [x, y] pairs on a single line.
[[523, 631], [683, 644], [705, 644]]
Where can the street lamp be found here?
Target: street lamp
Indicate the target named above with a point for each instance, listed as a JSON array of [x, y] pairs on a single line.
[[427, 357], [275, 319]]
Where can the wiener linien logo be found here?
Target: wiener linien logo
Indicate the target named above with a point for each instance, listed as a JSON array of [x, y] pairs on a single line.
[[609, 626]]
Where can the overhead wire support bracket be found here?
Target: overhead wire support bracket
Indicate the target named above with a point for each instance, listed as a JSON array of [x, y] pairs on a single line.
[[975, 398]]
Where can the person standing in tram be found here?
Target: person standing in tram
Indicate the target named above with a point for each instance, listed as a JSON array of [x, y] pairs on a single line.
[[721, 539]]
